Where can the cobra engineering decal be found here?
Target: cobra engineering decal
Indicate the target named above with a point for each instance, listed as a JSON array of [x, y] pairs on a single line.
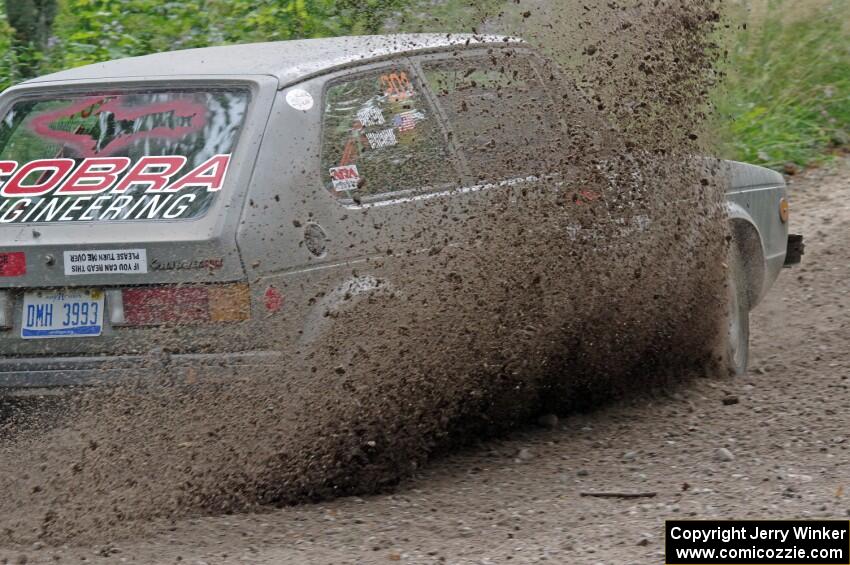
[[107, 188]]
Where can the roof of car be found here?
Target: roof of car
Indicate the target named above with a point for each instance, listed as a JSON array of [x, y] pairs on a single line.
[[288, 61]]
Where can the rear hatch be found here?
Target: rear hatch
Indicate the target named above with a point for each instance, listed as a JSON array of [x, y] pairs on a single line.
[[118, 213]]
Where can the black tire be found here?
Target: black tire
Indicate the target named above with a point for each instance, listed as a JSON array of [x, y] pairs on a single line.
[[737, 350]]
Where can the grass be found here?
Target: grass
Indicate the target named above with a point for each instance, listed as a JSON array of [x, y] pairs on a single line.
[[443, 16], [787, 94]]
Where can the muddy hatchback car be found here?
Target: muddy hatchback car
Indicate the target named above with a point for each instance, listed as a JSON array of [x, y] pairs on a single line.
[[190, 211]]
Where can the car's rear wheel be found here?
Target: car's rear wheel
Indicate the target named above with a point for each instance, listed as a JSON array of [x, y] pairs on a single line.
[[738, 315]]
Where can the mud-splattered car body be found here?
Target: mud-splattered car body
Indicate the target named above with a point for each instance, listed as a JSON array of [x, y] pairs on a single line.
[[167, 211], [758, 215]]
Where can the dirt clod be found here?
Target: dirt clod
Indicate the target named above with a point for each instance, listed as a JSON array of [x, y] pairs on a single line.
[[549, 421]]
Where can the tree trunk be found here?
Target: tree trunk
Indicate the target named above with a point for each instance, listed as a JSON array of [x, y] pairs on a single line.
[[32, 21]]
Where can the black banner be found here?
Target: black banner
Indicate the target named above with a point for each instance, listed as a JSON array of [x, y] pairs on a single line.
[[757, 542]]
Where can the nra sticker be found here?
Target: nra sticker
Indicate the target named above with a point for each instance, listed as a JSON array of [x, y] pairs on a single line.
[[106, 262], [299, 99], [13, 264], [345, 178]]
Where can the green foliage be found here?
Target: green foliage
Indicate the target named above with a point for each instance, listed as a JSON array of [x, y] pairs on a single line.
[[89, 31], [7, 56], [446, 16], [31, 20], [30, 23], [20, 52], [787, 95], [97, 30]]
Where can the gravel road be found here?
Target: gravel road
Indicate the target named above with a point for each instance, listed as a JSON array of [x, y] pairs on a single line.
[[771, 445]]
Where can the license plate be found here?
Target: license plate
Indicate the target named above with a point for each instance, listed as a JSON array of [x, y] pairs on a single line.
[[62, 313]]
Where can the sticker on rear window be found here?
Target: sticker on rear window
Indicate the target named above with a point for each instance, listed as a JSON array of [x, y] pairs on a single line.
[[397, 86], [13, 264], [407, 121], [106, 262], [382, 139], [345, 178]]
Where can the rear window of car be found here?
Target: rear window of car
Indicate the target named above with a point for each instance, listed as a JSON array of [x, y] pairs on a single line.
[[381, 136], [124, 156]]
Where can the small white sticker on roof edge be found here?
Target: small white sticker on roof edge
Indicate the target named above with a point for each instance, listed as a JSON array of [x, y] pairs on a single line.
[[299, 99]]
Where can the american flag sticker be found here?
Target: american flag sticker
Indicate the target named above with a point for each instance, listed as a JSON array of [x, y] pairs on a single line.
[[407, 121]]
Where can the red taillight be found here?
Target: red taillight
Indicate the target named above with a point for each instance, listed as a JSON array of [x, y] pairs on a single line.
[[151, 306], [13, 264], [174, 305]]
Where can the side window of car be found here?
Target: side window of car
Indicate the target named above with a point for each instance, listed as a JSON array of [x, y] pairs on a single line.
[[381, 136], [503, 119]]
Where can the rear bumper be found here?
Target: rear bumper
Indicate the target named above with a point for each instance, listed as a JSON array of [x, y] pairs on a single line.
[[48, 372]]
